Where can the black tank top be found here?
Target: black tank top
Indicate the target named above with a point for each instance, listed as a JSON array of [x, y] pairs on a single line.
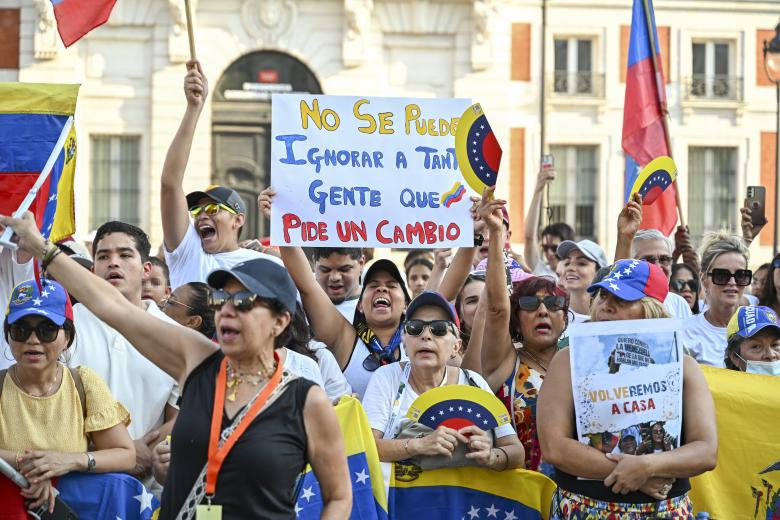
[[258, 476], [597, 490]]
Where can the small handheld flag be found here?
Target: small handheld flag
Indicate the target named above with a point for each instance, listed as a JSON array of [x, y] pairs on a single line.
[[477, 150], [654, 178], [458, 406]]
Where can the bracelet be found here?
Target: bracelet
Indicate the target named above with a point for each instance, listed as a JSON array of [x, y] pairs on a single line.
[[50, 255], [506, 464], [406, 447], [18, 461]]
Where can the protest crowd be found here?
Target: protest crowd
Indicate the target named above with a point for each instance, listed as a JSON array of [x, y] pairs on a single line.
[[229, 378]]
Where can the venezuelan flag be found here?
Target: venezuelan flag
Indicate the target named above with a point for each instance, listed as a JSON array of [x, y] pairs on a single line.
[[745, 484], [75, 18], [470, 492], [32, 117], [108, 495], [643, 112], [368, 490]]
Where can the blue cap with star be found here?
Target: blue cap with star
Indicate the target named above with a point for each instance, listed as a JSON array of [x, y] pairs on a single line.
[[50, 301], [632, 280]]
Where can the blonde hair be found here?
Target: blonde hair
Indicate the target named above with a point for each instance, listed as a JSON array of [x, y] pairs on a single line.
[[719, 243], [652, 308]]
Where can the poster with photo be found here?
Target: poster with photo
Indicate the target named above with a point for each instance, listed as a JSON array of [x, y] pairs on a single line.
[[627, 385]]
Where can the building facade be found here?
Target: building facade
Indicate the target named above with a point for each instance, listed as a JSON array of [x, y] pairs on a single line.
[[498, 52]]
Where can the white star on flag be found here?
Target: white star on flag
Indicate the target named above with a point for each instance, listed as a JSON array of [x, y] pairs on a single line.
[[482, 127], [452, 409], [145, 499], [510, 515], [617, 275], [307, 493], [53, 198], [614, 286], [491, 511], [477, 134], [361, 477], [627, 271], [298, 509], [441, 412], [37, 301], [473, 512], [45, 293]]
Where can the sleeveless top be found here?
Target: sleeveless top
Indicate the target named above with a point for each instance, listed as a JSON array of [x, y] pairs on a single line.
[[519, 394], [257, 479], [357, 376]]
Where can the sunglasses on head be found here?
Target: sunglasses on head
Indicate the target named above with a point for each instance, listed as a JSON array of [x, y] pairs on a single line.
[[242, 300], [212, 208], [742, 277], [661, 260], [46, 331], [170, 301], [551, 302], [437, 327], [679, 285]]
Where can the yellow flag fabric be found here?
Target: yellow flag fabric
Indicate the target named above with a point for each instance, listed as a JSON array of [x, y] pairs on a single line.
[[745, 483]]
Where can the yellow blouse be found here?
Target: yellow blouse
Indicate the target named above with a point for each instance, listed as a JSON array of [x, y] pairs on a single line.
[[56, 422]]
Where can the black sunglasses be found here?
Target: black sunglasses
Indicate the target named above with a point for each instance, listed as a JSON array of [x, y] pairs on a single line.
[[46, 331], [437, 327], [374, 361], [242, 300], [742, 277], [551, 302], [679, 285], [662, 260]]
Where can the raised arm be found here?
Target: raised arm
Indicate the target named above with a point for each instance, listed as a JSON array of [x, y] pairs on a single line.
[[683, 247], [531, 242], [629, 220], [173, 204], [456, 273], [174, 349], [327, 322], [441, 257], [497, 352]]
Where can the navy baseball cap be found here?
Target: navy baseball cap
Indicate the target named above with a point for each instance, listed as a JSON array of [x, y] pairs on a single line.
[[220, 195], [632, 280], [435, 299], [749, 320], [51, 302], [383, 265], [263, 277]]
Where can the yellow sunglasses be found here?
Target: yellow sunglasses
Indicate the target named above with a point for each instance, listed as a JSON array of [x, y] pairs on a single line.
[[212, 208]]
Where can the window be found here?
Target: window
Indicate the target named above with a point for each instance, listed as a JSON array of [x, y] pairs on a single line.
[[115, 180], [712, 187], [711, 71], [573, 66], [573, 196]]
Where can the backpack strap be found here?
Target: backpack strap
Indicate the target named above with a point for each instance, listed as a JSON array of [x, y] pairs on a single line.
[[74, 373], [2, 380]]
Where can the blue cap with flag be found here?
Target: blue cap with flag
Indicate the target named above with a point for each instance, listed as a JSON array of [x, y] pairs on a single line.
[[51, 301], [750, 320]]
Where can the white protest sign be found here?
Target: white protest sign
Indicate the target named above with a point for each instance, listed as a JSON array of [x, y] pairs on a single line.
[[373, 172], [627, 385]]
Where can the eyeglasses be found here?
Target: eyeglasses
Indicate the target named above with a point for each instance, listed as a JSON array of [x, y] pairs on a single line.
[[551, 302], [46, 331], [242, 300], [679, 285], [167, 303], [742, 277], [212, 208], [662, 260], [437, 327], [550, 247]]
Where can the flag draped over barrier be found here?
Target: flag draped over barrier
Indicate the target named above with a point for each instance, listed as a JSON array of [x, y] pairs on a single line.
[[745, 484], [32, 117]]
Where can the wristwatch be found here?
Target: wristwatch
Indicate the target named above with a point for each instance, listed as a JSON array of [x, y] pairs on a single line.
[[90, 462]]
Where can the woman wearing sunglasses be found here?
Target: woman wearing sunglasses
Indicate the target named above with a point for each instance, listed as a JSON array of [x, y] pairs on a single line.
[[685, 283], [49, 413], [521, 337], [430, 337], [592, 484], [246, 427], [724, 276]]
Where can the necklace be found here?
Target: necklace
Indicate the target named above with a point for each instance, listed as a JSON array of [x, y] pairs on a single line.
[[534, 358], [48, 390], [235, 378]]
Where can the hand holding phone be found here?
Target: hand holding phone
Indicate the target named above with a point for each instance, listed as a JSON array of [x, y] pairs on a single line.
[[756, 203]]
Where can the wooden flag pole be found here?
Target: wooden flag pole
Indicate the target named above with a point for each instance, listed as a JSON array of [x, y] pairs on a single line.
[[190, 29], [661, 99]]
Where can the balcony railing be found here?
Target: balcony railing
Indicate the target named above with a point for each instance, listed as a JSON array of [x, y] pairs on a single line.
[[717, 88], [578, 84]]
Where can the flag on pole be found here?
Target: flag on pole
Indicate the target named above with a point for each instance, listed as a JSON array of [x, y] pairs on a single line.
[[643, 112], [368, 489], [468, 492], [75, 18], [32, 117]]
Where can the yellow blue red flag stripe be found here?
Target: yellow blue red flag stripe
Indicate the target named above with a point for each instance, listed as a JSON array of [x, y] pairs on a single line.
[[477, 149], [32, 116]]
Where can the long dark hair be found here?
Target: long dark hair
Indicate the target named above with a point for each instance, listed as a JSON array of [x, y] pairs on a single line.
[[677, 267], [768, 296], [199, 306], [529, 287]]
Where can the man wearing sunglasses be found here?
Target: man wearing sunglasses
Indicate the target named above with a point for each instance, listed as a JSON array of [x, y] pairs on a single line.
[[209, 241]]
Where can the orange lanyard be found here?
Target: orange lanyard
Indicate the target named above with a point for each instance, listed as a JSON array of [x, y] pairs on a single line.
[[218, 454]]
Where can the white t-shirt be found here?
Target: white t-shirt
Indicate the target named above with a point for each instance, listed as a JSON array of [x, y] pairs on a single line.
[[190, 263], [677, 307], [357, 376], [347, 308], [335, 383], [704, 341], [578, 318], [11, 275], [542, 269], [303, 366], [137, 383]]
